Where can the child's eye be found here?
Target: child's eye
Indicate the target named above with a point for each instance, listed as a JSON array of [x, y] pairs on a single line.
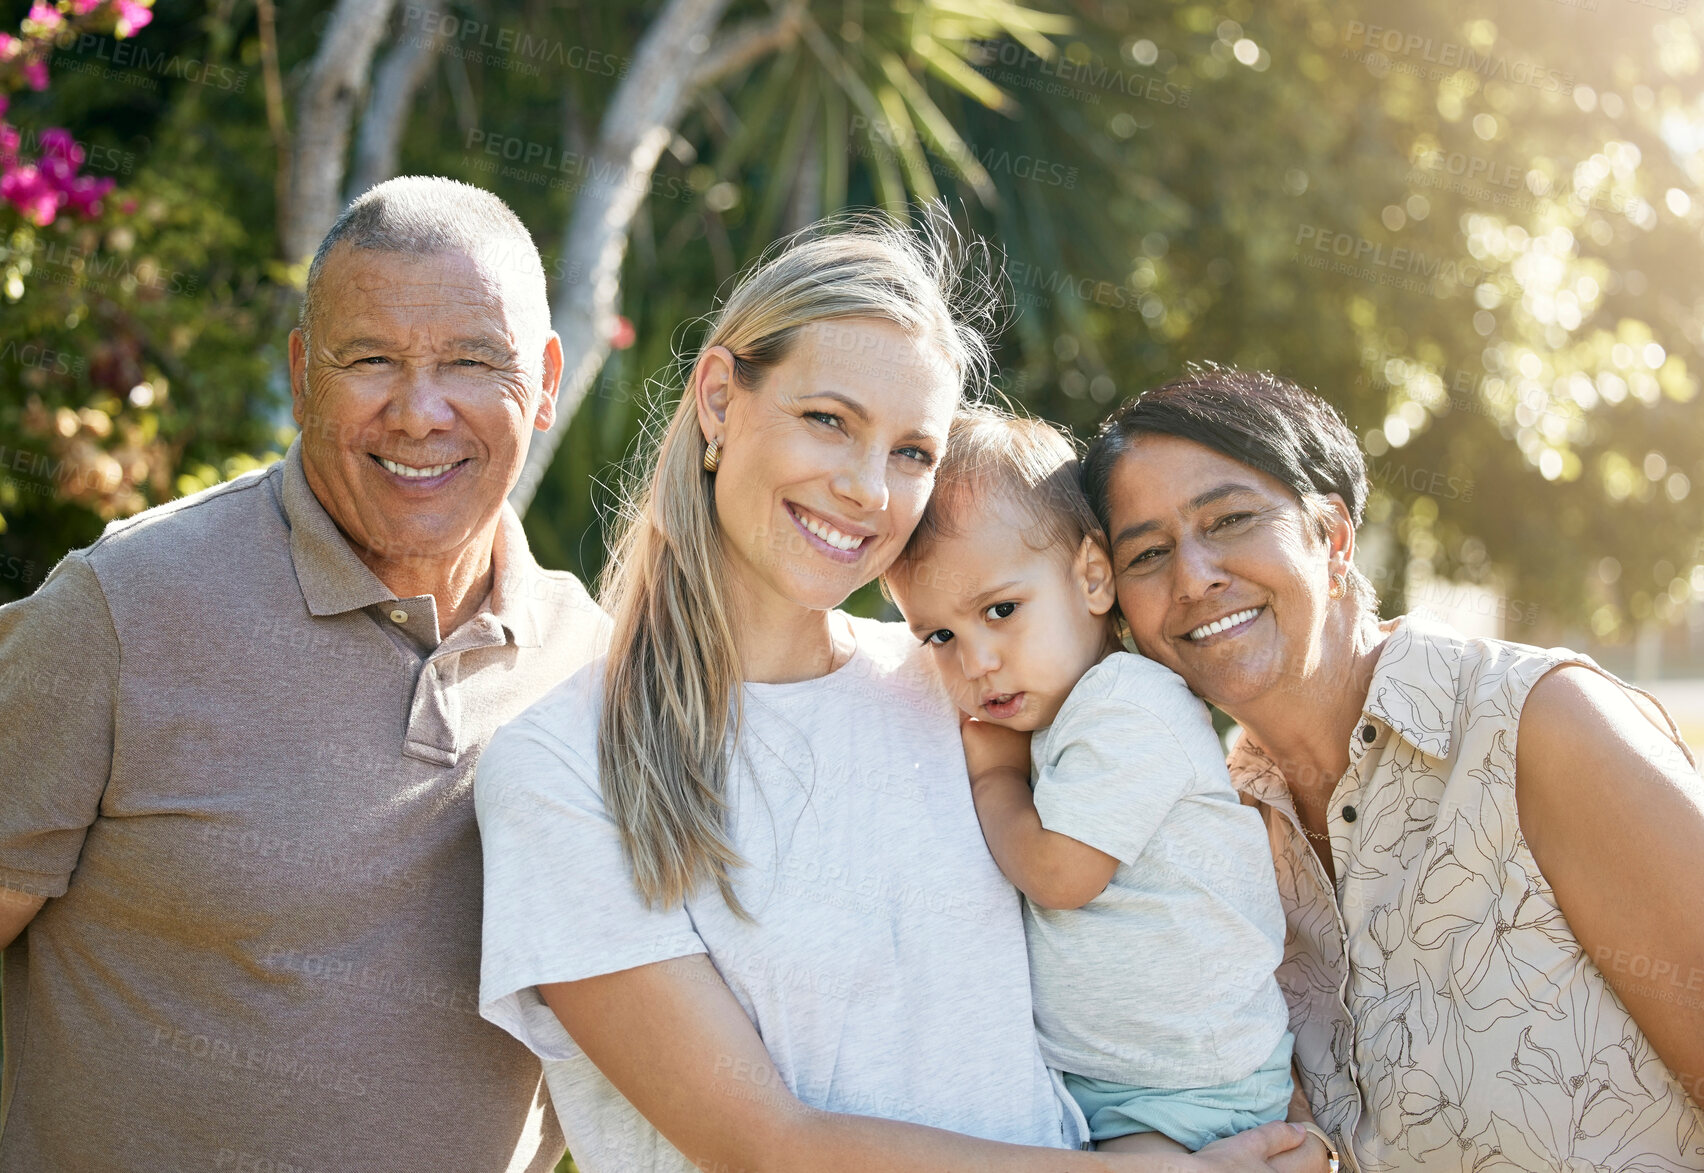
[[1001, 610], [938, 638]]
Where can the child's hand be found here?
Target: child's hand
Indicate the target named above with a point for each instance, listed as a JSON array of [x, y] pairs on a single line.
[[988, 747]]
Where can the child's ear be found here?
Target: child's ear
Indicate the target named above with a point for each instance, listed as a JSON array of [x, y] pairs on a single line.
[[1094, 576]]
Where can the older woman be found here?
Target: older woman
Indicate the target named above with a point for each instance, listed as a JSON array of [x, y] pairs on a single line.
[[1488, 853], [735, 891]]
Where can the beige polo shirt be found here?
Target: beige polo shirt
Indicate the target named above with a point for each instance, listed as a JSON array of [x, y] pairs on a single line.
[[242, 771]]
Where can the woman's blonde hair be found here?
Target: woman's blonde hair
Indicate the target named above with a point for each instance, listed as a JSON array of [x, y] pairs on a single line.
[[672, 682]]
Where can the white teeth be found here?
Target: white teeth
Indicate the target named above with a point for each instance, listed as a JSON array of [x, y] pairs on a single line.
[[1225, 624], [829, 534], [403, 470]]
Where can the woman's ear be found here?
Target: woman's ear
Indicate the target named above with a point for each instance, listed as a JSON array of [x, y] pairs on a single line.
[[1339, 534], [1094, 576], [712, 383]]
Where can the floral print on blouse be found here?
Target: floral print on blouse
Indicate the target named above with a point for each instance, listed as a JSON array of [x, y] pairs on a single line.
[[1445, 1016]]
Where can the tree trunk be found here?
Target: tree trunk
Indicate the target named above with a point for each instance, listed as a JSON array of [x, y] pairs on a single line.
[[335, 79], [673, 59], [396, 80]]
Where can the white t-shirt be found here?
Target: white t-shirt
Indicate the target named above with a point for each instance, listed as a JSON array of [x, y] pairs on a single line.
[[886, 970], [1166, 978]]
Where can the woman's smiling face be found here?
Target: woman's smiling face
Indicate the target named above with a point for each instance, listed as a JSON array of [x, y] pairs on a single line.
[[827, 464], [1220, 572]]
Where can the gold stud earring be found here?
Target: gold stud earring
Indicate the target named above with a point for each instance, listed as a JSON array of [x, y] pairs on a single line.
[[712, 455], [1339, 586]]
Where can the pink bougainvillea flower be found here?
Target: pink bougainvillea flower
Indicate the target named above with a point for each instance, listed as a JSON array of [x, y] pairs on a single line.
[[35, 73], [8, 145], [84, 195], [45, 16], [132, 17], [26, 189], [84, 7], [58, 144], [622, 335]]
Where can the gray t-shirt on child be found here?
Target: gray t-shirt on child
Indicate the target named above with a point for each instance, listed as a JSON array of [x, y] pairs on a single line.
[[885, 969], [1165, 978]]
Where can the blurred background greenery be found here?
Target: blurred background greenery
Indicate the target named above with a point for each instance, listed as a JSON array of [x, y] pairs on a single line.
[[1477, 233], [1476, 228]]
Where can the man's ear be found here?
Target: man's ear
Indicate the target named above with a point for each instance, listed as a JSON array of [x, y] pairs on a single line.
[[552, 383], [712, 384], [1094, 575], [298, 375]]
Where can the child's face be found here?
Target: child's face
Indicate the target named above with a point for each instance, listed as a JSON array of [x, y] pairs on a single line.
[[1010, 628]]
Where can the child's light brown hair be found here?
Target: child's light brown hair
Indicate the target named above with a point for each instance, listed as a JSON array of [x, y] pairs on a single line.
[[993, 455]]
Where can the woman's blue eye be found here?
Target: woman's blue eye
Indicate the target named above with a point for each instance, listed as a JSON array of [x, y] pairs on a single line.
[[938, 637], [823, 417], [1001, 610], [917, 454]]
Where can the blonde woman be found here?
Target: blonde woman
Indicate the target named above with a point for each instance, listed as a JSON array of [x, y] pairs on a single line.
[[736, 896]]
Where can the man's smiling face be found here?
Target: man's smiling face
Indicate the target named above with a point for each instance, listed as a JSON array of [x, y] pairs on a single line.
[[417, 388]]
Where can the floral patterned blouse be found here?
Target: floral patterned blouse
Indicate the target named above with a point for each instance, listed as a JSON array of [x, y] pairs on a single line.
[[1445, 1016]]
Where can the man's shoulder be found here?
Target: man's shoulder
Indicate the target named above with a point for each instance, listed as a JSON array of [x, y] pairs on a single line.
[[230, 513]]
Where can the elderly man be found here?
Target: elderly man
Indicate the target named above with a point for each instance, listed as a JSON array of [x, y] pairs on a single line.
[[239, 742]]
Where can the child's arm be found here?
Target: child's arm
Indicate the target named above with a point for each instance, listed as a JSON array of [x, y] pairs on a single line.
[[1053, 870]]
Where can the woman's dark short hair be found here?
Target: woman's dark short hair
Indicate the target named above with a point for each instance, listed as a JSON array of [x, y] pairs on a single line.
[[1254, 417]]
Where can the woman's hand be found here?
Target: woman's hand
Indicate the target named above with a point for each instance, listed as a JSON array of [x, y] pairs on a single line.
[[1277, 1147]]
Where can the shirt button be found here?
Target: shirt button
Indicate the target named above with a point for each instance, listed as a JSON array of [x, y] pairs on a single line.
[[1368, 733], [1349, 814], [399, 616]]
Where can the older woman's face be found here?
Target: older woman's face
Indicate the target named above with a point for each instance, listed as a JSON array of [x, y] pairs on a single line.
[[827, 464], [1219, 573]]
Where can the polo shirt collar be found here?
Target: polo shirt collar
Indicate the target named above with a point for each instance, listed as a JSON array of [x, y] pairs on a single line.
[[334, 579], [332, 576], [1415, 683], [518, 586]]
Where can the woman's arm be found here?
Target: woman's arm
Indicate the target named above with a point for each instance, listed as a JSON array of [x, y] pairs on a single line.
[[1614, 816], [1053, 870], [672, 1039]]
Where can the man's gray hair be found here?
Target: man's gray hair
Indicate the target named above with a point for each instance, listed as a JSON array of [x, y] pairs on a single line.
[[424, 214]]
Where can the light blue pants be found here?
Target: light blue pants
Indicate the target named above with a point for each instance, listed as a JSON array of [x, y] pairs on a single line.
[[1192, 1116]]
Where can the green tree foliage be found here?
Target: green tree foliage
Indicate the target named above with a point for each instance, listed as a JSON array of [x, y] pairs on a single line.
[[1474, 232]]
